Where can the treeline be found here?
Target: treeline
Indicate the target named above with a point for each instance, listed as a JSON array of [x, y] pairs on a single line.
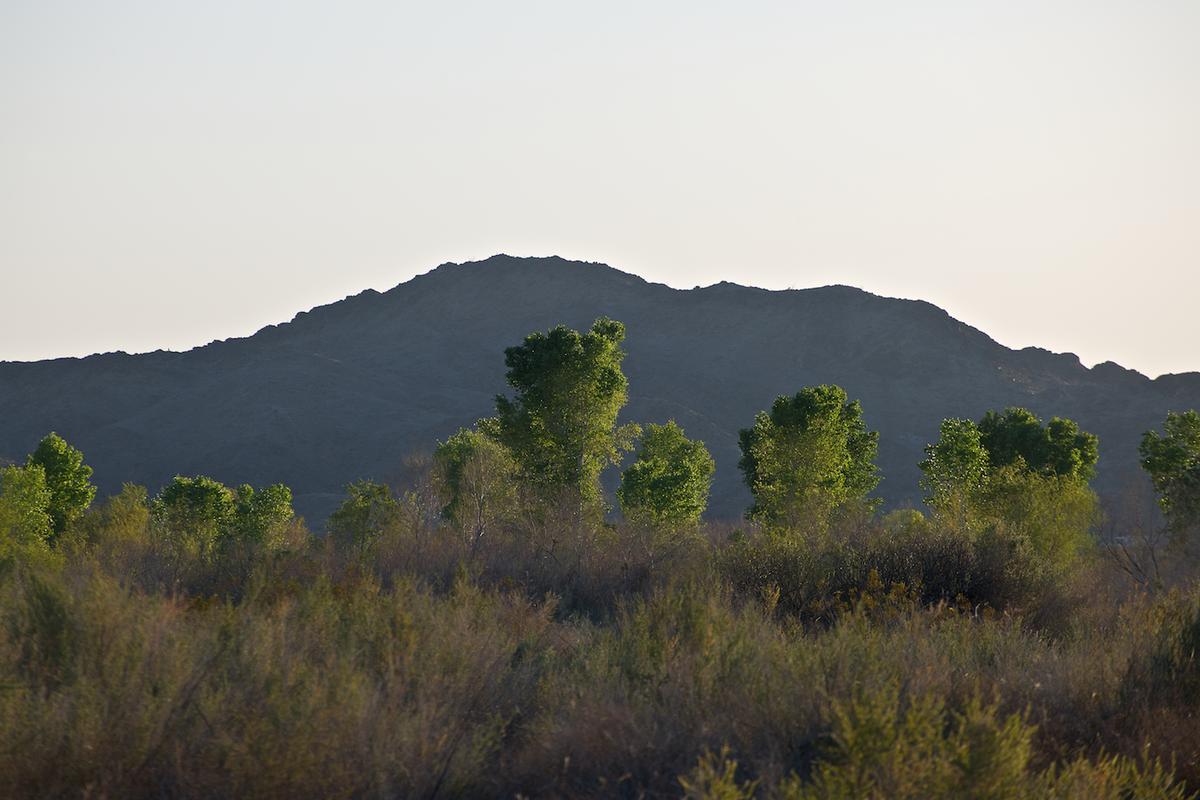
[[486, 629]]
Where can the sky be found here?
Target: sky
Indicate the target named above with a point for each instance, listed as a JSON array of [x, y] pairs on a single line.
[[177, 172]]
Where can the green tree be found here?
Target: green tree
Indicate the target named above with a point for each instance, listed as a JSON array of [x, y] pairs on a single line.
[[954, 467], [1055, 514], [261, 517], [668, 484], [1059, 448], [68, 479], [369, 509], [1012, 471], [1172, 460], [203, 517], [25, 522], [476, 481], [811, 453], [192, 514], [561, 425]]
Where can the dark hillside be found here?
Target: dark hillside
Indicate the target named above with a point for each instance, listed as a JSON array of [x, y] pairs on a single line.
[[346, 390]]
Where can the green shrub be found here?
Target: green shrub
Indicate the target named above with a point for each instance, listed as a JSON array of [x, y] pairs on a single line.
[[882, 747], [715, 778]]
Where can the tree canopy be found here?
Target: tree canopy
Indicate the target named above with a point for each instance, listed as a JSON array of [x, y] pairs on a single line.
[[668, 483], [1172, 459], [203, 515], [1058, 448], [809, 454], [369, 508], [25, 521], [476, 480], [561, 424], [67, 477], [957, 462], [1010, 470], [261, 515]]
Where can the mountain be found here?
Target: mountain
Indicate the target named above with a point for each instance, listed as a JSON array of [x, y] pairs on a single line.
[[347, 390]]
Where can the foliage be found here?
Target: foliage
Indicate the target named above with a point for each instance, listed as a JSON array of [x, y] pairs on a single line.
[[369, 509], [880, 750], [886, 568], [808, 455], [886, 748], [1010, 471], [1056, 514], [472, 634], [321, 680], [25, 522], [1060, 448], [124, 517], [715, 778], [560, 426], [477, 483], [261, 517], [197, 517], [954, 468], [68, 479], [1167, 672], [1172, 460], [667, 485], [190, 515]]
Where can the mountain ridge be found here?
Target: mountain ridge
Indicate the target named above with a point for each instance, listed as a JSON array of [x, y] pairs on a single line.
[[346, 389]]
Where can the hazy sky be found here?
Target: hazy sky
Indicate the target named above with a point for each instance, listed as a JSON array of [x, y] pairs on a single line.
[[174, 172]]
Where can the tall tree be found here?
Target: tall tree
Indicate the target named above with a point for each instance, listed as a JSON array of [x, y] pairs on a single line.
[[67, 477], [811, 453], [667, 485], [561, 424], [1172, 460]]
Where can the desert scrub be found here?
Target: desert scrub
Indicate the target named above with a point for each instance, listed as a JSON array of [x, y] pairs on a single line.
[[881, 747]]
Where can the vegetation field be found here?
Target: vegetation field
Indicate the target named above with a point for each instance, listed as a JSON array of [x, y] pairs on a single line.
[[499, 626]]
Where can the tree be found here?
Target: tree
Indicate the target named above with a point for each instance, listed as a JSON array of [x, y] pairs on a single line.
[[1173, 462], [192, 514], [1059, 448], [667, 485], [261, 517], [476, 481], [25, 522], [957, 463], [1010, 470], [68, 479], [808, 455], [368, 510], [955, 467], [202, 516], [1055, 514], [561, 425]]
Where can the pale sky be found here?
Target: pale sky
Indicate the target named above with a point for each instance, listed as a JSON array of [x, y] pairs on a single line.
[[177, 172]]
